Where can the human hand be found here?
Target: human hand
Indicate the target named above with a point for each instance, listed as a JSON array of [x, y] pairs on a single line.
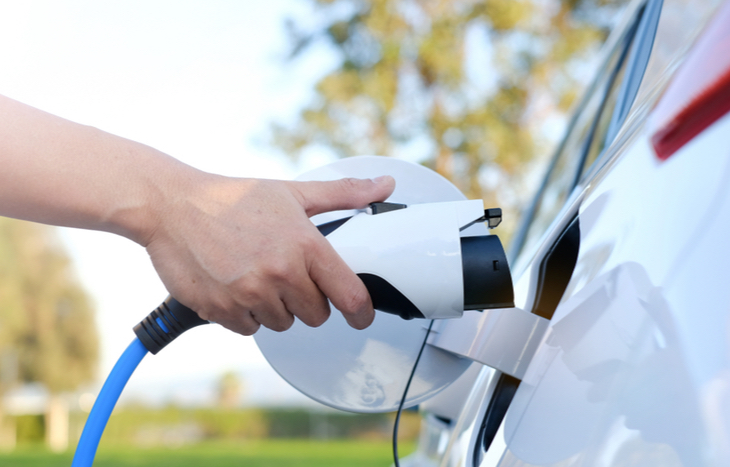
[[240, 252], [243, 252]]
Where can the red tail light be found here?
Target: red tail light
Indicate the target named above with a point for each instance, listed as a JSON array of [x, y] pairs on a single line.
[[699, 93]]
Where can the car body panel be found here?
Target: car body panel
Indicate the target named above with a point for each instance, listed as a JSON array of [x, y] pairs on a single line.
[[634, 368], [637, 341]]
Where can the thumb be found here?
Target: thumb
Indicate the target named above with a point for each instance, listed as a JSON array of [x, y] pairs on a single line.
[[346, 193]]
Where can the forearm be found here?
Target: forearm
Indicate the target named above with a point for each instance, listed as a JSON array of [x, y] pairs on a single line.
[[59, 172], [240, 252]]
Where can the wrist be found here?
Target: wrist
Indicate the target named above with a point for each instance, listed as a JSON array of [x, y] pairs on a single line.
[[153, 192]]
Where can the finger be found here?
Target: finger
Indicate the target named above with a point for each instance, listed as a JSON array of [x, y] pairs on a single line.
[[305, 301], [240, 322], [273, 314], [346, 193], [346, 291]]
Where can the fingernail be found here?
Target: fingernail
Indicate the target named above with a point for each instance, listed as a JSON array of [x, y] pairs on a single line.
[[381, 178]]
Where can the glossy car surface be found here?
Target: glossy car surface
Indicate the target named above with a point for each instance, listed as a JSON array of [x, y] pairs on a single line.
[[626, 252]]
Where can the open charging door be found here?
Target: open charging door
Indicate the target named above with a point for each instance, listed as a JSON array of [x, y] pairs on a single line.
[[366, 371]]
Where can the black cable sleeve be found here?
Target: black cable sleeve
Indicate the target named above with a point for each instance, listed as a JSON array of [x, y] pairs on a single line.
[[405, 393], [165, 323]]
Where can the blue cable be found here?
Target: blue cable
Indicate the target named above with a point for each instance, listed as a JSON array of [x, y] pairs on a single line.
[[105, 402], [159, 328]]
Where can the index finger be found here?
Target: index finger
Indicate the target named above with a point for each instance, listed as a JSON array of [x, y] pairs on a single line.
[[342, 286]]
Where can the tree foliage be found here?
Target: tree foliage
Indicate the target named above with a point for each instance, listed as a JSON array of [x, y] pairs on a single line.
[[463, 86], [47, 328]]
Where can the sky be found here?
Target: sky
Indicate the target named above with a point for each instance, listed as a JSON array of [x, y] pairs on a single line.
[[197, 80]]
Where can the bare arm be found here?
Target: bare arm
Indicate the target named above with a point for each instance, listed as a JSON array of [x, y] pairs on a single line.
[[240, 252]]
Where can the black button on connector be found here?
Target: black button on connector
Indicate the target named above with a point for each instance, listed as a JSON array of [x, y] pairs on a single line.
[[380, 208]]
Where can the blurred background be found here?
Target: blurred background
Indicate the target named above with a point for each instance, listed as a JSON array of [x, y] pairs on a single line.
[[479, 91]]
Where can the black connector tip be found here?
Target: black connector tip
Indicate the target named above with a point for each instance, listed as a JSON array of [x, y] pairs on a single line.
[[487, 278]]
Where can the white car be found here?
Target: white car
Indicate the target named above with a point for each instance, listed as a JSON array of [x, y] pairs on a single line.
[[625, 253], [617, 351]]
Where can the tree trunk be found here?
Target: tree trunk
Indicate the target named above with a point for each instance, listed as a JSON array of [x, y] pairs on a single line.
[[8, 434], [57, 423]]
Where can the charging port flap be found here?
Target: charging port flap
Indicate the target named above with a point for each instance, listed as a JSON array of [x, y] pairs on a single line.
[[504, 338]]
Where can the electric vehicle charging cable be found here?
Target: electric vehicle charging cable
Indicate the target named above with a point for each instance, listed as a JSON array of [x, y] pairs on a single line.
[[158, 329], [105, 402], [152, 335], [163, 325]]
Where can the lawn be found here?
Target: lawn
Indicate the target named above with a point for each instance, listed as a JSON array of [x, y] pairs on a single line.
[[269, 453]]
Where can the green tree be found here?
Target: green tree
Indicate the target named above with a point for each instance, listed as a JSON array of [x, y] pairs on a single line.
[[47, 328], [463, 85]]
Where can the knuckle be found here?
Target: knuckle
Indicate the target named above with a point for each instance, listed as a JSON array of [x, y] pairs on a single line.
[[249, 329], [350, 183], [318, 318], [248, 291], [282, 324], [279, 269], [215, 309], [321, 319], [312, 246], [310, 239], [288, 323]]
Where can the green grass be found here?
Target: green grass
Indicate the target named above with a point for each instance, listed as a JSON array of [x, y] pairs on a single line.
[[269, 453]]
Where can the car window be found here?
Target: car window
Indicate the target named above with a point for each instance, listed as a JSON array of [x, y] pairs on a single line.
[[568, 160], [599, 141], [583, 143], [626, 86]]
